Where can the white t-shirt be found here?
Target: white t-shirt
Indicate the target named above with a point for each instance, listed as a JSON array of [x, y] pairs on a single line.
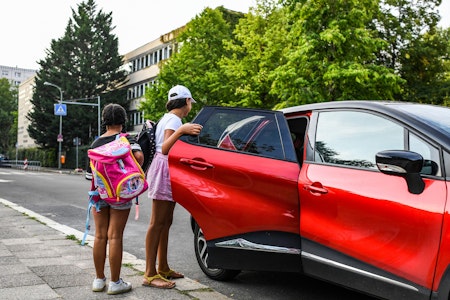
[[168, 121]]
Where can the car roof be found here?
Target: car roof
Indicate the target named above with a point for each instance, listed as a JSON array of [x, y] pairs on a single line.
[[389, 108], [364, 104]]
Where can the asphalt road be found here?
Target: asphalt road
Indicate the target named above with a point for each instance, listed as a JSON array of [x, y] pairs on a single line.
[[63, 198]]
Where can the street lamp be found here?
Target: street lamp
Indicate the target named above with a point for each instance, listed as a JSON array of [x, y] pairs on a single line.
[[60, 122]]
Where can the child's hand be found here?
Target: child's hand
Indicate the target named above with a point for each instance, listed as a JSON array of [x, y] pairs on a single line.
[[191, 128]]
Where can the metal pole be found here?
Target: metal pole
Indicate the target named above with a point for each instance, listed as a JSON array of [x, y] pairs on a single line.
[[60, 122], [98, 114], [77, 142], [60, 141]]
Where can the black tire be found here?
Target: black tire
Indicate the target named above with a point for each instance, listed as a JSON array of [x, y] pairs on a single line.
[[201, 253]]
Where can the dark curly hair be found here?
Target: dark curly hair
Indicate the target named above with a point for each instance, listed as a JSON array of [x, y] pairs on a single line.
[[114, 114]]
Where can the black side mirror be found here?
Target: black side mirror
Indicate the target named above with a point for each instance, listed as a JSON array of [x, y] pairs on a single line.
[[406, 164], [429, 167]]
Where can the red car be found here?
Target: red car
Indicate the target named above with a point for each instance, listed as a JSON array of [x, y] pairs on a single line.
[[351, 192]]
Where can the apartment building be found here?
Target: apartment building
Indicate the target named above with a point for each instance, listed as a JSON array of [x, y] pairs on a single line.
[[25, 93], [16, 75], [142, 65]]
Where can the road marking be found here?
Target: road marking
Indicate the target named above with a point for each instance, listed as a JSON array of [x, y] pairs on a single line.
[[4, 180]]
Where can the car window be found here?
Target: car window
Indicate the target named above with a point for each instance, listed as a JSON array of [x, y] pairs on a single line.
[[353, 138], [429, 153], [243, 131]]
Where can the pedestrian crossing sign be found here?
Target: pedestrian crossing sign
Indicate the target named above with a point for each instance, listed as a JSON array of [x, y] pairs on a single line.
[[60, 109]]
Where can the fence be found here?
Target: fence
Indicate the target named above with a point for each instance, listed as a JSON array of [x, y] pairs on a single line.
[[32, 165]]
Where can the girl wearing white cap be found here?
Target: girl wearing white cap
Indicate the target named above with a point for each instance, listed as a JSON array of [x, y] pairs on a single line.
[[168, 130]]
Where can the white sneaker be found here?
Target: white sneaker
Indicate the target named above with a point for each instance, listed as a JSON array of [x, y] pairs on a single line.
[[98, 285], [119, 288]]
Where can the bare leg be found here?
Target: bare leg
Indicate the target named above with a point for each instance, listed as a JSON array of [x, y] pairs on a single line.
[[161, 210], [118, 220], [163, 246], [101, 220]]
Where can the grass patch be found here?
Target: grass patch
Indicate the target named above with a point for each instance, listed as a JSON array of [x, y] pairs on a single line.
[[74, 238], [33, 218]]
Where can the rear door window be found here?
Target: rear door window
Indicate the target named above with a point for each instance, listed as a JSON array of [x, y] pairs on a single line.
[[247, 131]]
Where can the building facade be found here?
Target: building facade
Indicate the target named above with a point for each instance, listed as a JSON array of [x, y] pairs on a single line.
[[25, 93], [16, 75], [142, 65]]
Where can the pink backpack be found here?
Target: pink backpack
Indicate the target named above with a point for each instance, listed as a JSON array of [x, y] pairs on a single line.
[[117, 177]]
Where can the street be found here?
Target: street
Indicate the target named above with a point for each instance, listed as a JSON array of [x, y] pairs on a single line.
[[63, 198]]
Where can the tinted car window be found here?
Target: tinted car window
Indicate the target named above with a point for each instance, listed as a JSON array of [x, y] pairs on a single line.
[[429, 153], [244, 131], [353, 138]]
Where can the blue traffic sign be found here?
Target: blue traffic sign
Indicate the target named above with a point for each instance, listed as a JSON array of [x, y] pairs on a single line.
[[60, 109]]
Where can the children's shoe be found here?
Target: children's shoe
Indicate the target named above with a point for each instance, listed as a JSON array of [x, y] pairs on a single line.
[[98, 285], [119, 288]]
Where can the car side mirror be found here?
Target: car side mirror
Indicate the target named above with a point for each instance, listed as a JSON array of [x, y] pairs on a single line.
[[406, 164], [429, 167]]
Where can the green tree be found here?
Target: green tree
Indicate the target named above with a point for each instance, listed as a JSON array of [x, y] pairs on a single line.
[[196, 64], [257, 50], [407, 26], [8, 115], [333, 55], [84, 63], [426, 68], [401, 22]]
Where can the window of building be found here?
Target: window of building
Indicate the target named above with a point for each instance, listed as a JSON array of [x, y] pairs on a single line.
[[136, 118]]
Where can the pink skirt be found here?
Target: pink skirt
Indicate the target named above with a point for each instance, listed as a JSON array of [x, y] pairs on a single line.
[[158, 178]]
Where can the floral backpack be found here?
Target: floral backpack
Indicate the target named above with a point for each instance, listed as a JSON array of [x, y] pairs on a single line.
[[117, 177]]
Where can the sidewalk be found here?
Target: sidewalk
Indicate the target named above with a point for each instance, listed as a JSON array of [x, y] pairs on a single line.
[[42, 259]]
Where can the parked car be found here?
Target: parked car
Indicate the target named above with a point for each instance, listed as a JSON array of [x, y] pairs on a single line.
[[350, 192], [4, 163]]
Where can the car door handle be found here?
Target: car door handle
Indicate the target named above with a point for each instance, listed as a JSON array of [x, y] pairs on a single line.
[[316, 188], [196, 164]]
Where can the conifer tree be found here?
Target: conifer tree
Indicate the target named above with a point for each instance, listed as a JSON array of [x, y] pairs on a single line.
[[85, 64]]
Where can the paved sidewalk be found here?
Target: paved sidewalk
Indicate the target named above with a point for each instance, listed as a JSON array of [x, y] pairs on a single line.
[[42, 259]]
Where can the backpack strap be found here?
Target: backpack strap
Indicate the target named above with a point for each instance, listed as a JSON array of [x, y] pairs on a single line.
[[93, 195]]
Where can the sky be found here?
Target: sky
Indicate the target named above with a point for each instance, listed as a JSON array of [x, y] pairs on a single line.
[[28, 26]]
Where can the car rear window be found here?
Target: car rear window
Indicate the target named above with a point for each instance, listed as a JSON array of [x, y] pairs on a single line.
[[243, 131]]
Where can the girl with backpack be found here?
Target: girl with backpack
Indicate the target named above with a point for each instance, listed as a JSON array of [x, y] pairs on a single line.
[[168, 130], [111, 219]]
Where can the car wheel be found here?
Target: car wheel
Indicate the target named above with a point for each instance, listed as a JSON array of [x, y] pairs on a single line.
[[201, 253]]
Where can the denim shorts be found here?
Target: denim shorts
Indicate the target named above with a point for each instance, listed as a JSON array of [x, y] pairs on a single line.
[[124, 206]]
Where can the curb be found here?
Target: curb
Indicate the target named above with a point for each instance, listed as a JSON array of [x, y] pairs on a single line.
[[186, 286]]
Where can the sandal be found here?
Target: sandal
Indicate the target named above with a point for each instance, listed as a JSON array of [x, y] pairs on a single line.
[[171, 274], [148, 281]]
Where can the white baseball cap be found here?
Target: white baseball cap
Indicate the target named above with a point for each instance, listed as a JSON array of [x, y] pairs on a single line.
[[180, 92]]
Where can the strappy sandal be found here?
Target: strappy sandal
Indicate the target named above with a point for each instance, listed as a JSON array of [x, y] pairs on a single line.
[[171, 274], [148, 281]]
